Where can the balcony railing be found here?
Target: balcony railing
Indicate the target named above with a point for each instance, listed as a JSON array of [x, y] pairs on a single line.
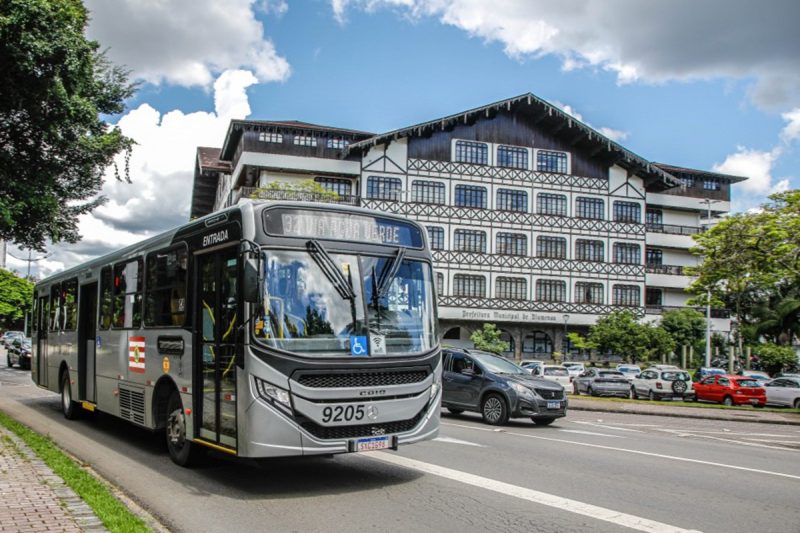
[[659, 309], [294, 196], [672, 270], [672, 229]]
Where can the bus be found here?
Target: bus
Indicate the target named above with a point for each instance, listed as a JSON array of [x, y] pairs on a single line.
[[268, 329]]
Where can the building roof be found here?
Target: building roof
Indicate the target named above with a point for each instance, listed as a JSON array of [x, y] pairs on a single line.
[[206, 177], [543, 110], [673, 169], [208, 159]]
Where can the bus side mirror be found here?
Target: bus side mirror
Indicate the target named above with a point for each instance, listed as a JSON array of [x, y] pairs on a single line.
[[251, 291]]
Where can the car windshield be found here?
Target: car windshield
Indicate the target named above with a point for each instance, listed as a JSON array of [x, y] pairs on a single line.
[[675, 376], [556, 372], [612, 374], [747, 383], [497, 365], [332, 305], [756, 375], [630, 369]]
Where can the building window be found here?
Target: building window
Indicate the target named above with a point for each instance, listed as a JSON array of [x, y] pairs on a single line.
[[627, 295], [305, 140], [512, 156], [551, 290], [551, 247], [512, 200], [654, 217], [267, 137], [589, 208], [589, 250], [511, 244], [711, 184], [467, 240], [627, 212], [551, 204], [339, 186], [654, 257], [588, 293], [337, 143], [538, 342], [653, 297], [511, 288], [165, 298], [472, 152], [127, 296], [427, 192], [436, 237], [384, 188], [439, 283], [687, 180], [470, 196], [469, 286], [549, 161], [627, 253]]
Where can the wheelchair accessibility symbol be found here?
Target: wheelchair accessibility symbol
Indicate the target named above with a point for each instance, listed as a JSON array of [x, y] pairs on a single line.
[[358, 346]]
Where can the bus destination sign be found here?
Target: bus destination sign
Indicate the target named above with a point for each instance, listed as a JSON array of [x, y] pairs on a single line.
[[341, 227]]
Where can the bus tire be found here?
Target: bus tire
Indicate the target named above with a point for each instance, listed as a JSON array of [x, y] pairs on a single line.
[[182, 451], [68, 407]]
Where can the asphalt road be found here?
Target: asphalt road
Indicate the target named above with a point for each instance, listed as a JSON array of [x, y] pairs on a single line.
[[588, 472]]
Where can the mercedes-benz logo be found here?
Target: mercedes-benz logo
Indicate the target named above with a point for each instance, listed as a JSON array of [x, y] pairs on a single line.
[[372, 412]]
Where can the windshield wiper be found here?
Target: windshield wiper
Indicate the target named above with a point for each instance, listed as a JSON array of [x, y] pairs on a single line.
[[329, 268], [389, 272]]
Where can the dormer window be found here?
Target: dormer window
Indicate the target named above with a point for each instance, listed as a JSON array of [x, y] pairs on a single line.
[[337, 143], [551, 161], [472, 152], [268, 137], [711, 184], [305, 140]]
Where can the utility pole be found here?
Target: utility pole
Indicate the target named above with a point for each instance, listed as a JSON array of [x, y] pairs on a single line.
[[30, 260], [708, 203]]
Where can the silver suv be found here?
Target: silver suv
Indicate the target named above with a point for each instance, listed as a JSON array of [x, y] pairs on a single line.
[[662, 381]]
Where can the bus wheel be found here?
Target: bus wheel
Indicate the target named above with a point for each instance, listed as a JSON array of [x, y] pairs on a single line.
[[68, 407], [181, 451]]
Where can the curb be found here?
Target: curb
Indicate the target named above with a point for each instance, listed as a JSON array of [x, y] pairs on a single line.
[[673, 414]]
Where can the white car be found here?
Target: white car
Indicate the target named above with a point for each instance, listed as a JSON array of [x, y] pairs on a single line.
[[663, 381], [556, 373], [783, 391], [574, 369], [629, 371], [761, 377]]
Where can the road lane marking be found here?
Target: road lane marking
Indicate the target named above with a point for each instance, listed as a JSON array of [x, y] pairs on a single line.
[[648, 454], [459, 441], [607, 426], [523, 493], [582, 432]]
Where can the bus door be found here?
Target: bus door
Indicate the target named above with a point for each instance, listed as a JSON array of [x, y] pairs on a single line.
[[87, 336], [40, 323], [215, 356]]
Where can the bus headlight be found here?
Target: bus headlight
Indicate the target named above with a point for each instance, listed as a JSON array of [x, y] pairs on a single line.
[[436, 386], [274, 395]]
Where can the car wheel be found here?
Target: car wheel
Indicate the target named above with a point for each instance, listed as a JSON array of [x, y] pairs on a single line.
[[797, 403], [543, 421], [181, 450], [727, 400], [455, 411], [494, 410], [8, 359], [652, 396], [590, 391], [634, 396], [575, 389], [68, 407]]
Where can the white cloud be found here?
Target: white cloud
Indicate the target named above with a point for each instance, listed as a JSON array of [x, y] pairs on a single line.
[[755, 165], [791, 131], [611, 133], [653, 41], [161, 169], [186, 42]]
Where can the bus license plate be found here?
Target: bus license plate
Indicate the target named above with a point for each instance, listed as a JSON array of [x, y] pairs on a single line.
[[372, 443], [554, 405]]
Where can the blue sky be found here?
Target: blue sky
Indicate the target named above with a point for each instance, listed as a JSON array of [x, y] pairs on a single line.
[[710, 85]]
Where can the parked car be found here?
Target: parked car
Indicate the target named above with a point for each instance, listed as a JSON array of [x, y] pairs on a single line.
[[602, 382], [9, 336], [531, 365], [783, 391], [574, 369], [761, 377], [19, 353], [498, 389], [662, 381], [731, 390], [629, 371], [556, 373], [704, 371]]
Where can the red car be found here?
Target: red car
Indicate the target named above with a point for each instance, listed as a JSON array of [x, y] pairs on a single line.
[[731, 390]]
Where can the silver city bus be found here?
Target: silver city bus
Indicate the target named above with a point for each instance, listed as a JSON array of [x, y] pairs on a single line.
[[268, 329]]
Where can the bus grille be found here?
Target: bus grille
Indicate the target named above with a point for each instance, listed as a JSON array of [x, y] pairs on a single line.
[[362, 379], [366, 430], [131, 405], [548, 394]]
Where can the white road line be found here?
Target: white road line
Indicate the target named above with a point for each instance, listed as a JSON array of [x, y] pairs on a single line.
[[582, 432], [728, 433], [459, 441], [535, 496], [607, 426], [796, 442], [639, 452]]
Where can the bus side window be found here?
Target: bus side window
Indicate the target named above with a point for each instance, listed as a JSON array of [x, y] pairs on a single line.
[[55, 307], [105, 298], [165, 298]]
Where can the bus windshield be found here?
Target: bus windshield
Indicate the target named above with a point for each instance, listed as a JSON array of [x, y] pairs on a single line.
[[333, 305]]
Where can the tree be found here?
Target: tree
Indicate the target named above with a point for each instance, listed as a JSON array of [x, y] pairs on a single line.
[[54, 147], [621, 334], [16, 295], [488, 339], [687, 327], [776, 358]]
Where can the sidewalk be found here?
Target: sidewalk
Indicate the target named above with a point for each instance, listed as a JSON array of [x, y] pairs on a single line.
[[664, 408], [33, 498]]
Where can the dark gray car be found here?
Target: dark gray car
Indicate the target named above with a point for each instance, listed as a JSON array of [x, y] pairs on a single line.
[[498, 389], [602, 382]]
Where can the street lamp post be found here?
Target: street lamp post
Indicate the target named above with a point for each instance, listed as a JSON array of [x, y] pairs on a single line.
[[564, 340], [708, 202]]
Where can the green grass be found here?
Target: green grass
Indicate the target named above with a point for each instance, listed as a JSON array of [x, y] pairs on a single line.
[[700, 405], [114, 515]]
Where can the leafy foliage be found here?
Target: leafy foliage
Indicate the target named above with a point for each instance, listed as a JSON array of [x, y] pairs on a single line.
[[687, 327], [776, 358], [16, 295], [54, 147], [620, 333], [488, 339]]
